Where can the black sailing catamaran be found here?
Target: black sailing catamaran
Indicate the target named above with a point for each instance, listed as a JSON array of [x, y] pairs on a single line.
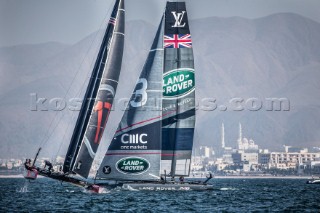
[[153, 142]]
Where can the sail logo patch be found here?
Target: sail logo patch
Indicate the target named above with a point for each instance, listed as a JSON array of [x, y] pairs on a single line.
[[177, 41], [106, 170], [134, 138], [132, 165], [178, 83], [178, 17]]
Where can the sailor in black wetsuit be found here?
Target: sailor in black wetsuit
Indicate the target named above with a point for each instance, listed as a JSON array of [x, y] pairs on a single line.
[[181, 179], [27, 164], [208, 178], [49, 164]]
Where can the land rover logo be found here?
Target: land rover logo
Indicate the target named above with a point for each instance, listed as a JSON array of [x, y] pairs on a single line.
[[178, 83], [132, 165]]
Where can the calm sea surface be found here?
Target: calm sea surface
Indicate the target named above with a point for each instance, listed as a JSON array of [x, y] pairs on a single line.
[[230, 195]]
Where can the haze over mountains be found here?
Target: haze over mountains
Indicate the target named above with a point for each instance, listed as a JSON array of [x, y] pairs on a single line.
[[277, 56]]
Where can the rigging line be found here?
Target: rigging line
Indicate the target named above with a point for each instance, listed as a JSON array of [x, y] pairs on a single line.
[[73, 80], [73, 116], [196, 140], [79, 92], [64, 135]]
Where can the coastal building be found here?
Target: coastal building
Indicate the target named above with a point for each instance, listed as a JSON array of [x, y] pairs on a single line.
[[247, 153], [227, 155], [314, 166], [300, 157], [264, 158], [224, 152], [220, 164], [241, 157], [292, 157], [197, 163], [205, 151], [244, 143]]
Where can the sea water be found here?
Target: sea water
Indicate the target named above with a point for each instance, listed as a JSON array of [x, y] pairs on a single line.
[[230, 195]]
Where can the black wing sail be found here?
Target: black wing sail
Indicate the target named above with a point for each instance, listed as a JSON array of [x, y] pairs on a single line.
[[99, 96], [178, 92]]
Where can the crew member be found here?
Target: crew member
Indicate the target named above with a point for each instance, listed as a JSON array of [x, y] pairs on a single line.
[[210, 175], [181, 179], [27, 164], [49, 164], [208, 178]]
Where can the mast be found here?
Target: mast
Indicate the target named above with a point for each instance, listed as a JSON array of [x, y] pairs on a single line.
[[35, 158], [98, 98]]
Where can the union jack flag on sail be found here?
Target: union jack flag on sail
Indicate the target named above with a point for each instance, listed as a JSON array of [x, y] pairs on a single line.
[[177, 41]]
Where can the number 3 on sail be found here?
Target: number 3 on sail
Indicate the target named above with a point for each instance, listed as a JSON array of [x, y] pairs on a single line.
[[140, 95]]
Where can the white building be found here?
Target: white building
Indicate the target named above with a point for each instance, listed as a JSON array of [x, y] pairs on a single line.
[[244, 143], [221, 164], [248, 160], [196, 163], [205, 151], [292, 157], [227, 155]]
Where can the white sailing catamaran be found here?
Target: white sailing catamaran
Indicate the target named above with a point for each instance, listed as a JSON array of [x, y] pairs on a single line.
[[153, 142]]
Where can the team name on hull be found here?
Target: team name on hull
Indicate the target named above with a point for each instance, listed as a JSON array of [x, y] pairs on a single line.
[[162, 188]]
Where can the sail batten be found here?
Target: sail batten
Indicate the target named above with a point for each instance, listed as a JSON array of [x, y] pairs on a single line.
[[99, 97]]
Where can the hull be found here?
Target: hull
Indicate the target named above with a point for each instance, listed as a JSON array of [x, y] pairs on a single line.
[[30, 174], [61, 177], [313, 181], [131, 186], [167, 186]]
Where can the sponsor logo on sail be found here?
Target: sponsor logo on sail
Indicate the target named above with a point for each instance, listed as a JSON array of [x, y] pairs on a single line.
[[106, 170], [134, 138], [178, 17], [132, 165], [178, 83]]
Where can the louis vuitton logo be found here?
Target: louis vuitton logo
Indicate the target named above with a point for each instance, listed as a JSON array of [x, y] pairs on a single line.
[[178, 17]]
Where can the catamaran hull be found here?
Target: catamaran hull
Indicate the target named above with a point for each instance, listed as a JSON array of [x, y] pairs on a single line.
[[30, 174], [313, 181], [61, 177], [167, 187]]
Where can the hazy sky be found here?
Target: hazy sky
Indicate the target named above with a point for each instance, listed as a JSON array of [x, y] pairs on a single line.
[[68, 21]]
